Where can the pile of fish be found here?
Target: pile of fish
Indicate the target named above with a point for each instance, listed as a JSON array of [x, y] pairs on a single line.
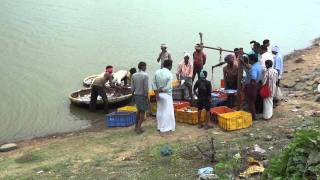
[[84, 96]]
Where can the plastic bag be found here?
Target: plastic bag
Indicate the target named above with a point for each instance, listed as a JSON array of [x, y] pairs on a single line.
[[278, 94]]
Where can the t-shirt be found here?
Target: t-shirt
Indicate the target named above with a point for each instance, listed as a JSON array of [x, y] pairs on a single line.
[[164, 55], [204, 89], [256, 72], [139, 84]]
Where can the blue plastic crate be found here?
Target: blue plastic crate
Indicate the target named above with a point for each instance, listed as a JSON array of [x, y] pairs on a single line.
[[215, 102], [121, 119]]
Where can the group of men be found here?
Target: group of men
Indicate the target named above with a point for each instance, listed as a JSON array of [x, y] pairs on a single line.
[[259, 66]]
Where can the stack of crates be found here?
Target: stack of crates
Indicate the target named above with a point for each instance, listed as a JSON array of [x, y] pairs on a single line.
[[234, 120], [189, 115], [121, 119]]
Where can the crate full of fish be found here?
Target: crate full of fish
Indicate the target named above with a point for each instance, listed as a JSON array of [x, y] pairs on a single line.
[[189, 115]]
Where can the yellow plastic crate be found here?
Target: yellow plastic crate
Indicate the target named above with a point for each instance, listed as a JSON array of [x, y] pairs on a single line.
[[235, 120], [189, 117], [129, 108], [153, 108]]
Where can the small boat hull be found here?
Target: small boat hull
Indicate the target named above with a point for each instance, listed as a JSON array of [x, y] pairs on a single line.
[[115, 98]]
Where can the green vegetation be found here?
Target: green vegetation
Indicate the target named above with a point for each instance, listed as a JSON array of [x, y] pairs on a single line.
[[300, 160], [29, 157]]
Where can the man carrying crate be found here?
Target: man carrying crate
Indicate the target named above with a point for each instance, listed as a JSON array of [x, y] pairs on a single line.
[[140, 89]]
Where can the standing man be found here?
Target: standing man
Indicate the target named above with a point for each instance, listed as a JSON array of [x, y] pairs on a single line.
[[185, 72], [162, 86], [236, 56], [203, 89], [266, 43], [278, 62], [164, 54], [140, 89], [253, 83], [256, 48], [265, 55], [230, 75], [98, 88], [278, 65], [199, 60]]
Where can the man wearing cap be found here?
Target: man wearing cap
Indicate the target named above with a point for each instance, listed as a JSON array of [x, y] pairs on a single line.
[[98, 88], [278, 65], [164, 54], [278, 61], [203, 89], [199, 60], [185, 72]]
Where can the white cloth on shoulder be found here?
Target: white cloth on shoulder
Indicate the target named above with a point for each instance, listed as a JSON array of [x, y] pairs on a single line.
[[165, 113]]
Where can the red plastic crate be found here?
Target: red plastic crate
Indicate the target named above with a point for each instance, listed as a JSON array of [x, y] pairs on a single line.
[[220, 110], [180, 104]]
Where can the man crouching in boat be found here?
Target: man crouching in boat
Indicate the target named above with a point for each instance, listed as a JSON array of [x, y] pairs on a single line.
[[98, 88], [123, 75]]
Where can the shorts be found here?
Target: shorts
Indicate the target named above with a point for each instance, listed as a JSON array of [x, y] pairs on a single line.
[[204, 104], [141, 102]]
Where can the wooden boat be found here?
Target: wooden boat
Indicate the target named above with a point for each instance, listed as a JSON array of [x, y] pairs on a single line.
[[115, 96], [88, 80]]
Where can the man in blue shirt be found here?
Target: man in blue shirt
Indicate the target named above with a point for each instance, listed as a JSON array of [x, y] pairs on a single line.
[[278, 65], [278, 61], [252, 86]]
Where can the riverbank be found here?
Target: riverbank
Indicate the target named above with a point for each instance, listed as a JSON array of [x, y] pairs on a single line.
[[119, 153]]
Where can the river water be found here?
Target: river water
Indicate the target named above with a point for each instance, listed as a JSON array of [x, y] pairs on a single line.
[[47, 47]]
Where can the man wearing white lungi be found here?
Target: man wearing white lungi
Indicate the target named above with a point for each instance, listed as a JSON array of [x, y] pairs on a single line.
[[270, 76], [162, 85]]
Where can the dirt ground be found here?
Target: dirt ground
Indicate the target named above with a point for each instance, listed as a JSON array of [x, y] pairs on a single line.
[[118, 153]]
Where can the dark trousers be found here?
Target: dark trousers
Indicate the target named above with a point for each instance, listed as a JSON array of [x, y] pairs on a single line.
[[95, 91], [231, 97], [196, 71], [259, 100], [251, 97]]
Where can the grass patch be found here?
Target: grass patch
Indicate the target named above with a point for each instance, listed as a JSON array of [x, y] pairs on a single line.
[[29, 157]]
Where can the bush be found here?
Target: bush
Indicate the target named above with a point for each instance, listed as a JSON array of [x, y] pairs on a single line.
[[300, 160]]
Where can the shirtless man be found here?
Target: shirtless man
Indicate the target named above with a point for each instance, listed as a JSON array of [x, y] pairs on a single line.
[[98, 88]]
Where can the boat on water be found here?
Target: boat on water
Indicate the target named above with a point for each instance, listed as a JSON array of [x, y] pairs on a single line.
[[115, 96]]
